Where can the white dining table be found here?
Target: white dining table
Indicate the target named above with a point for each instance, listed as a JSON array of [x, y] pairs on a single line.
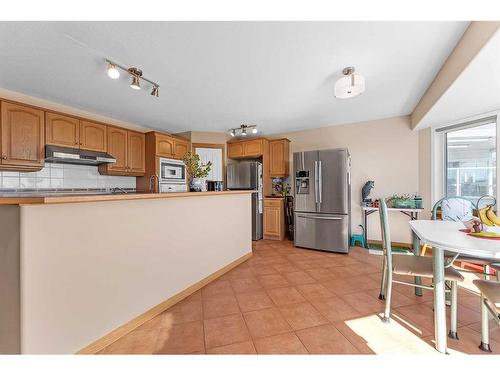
[[446, 235]]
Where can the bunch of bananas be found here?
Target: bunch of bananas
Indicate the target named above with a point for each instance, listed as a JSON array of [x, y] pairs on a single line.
[[488, 217]]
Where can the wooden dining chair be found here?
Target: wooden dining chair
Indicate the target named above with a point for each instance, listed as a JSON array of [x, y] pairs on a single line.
[[490, 304], [411, 265]]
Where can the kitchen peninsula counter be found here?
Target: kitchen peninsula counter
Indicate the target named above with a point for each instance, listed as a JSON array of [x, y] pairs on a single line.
[[79, 197], [79, 274]]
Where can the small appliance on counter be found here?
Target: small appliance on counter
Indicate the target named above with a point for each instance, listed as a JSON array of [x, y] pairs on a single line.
[[172, 176], [215, 185], [247, 175]]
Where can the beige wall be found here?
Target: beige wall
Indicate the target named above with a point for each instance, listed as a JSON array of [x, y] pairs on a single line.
[[386, 151], [88, 268]]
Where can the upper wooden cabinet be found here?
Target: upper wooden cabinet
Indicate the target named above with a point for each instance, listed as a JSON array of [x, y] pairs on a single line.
[[254, 147], [181, 147], [117, 147], [127, 147], [22, 137], [136, 143], [235, 150], [167, 146], [69, 131], [164, 145], [61, 130], [92, 136], [245, 149], [279, 155]]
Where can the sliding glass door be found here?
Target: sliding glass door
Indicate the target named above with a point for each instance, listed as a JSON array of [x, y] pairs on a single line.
[[470, 161]]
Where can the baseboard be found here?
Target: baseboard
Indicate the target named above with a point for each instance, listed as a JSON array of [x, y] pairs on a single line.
[[380, 252], [394, 243], [121, 331]]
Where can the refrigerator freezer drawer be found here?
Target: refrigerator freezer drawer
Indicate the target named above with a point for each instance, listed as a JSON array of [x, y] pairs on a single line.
[[322, 232]]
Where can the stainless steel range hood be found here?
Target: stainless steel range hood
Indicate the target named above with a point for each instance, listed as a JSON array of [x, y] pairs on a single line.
[[66, 155]]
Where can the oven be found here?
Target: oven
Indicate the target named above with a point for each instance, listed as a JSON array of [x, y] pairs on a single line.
[[172, 171]]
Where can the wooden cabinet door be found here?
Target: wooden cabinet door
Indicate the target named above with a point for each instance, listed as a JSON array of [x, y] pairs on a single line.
[[180, 148], [279, 158], [136, 153], [272, 221], [22, 135], [92, 136], [62, 130], [164, 146], [252, 148], [117, 147], [235, 150]]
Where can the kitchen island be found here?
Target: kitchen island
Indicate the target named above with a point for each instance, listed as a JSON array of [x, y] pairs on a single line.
[[79, 272]]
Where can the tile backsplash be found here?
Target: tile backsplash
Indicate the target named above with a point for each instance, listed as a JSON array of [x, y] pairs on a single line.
[[64, 176]]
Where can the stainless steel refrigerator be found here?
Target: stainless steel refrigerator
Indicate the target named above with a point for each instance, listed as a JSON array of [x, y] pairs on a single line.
[[247, 175], [322, 199]]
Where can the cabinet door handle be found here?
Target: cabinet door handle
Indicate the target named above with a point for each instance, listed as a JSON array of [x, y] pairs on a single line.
[[4, 157], [76, 143]]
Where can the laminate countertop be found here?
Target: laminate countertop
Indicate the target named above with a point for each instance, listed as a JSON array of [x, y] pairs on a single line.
[[54, 198]]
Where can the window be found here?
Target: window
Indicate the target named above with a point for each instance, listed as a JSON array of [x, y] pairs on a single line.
[[470, 161]]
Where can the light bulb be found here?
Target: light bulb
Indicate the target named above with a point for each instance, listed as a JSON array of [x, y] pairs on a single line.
[[254, 130], [244, 132], [113, 72], [232, 132], [135, 83]]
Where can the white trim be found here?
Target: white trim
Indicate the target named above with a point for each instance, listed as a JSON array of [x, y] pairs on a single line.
[[437, 154]]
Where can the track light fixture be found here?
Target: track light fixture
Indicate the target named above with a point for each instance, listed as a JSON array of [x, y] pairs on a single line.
[[156, 91], [135, 73], [113, 73], [243, 130]]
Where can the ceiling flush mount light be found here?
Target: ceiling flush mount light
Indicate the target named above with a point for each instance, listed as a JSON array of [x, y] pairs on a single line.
[[113, 72], [350, 85], [243, 130], [135, 74]]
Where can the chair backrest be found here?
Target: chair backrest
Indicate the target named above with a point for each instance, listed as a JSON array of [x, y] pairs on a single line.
[[386, 232], [454, 209]]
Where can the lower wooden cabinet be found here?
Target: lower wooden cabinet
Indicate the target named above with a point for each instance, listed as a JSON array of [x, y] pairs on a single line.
[[274, 219], [22, 137]]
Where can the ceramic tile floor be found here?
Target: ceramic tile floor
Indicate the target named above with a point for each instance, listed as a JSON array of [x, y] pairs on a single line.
[[286, 300]]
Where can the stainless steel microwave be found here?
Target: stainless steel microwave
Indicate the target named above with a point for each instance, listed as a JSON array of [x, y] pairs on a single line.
[[172, 170]]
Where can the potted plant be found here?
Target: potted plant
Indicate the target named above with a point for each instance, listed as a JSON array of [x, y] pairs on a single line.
[[196, 171], [402, 201]]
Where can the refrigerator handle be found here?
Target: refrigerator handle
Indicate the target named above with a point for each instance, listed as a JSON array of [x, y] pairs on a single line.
[[320, 183], [315, 181]]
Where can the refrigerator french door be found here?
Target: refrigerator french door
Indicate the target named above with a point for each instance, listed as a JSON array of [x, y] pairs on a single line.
[[247, 175], [322, 199]]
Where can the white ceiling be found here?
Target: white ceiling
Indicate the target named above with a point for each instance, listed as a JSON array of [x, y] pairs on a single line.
[[217, 75], [476, 91]]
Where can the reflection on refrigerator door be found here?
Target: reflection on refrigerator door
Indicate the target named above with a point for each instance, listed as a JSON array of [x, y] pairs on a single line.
[[247, 175]]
